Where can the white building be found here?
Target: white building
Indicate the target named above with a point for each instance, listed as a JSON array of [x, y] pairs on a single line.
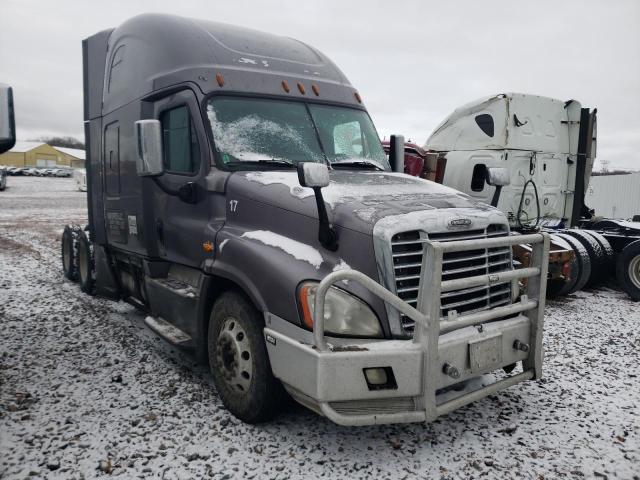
[[614, 196]]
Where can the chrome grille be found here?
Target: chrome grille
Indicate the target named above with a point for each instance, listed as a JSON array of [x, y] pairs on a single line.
[[407, 263]]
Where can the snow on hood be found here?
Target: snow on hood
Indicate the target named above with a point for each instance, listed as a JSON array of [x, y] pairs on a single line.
[[298, 250], [356, 200]]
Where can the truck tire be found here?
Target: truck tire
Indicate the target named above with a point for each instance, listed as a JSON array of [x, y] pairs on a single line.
[[86, 266], [560, 288], [607, 250], [595, 254], [239, 362], [69, 251], [584, 261], [628, 270]]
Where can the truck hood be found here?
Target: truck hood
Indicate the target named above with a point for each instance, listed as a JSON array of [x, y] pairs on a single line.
[[355, 200]]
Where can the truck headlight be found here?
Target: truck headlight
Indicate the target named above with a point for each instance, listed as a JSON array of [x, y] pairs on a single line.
[[344, 314]]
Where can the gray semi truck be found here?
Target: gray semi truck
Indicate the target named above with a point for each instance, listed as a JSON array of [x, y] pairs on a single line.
[[239, 194]]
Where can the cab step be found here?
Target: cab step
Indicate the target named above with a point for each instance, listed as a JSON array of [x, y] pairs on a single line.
[[168, 331]]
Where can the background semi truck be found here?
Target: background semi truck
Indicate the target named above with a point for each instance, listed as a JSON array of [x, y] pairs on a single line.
[[239, 194], [548, 148]]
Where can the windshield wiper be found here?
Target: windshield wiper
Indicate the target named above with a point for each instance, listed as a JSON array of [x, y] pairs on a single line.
[[357, 164], [265, 161]]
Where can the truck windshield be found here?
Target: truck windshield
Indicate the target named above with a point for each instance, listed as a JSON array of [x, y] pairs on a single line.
[[250, 133], [348, 137]]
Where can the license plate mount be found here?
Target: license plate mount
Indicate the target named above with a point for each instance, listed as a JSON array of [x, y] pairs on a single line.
[[485, 353]]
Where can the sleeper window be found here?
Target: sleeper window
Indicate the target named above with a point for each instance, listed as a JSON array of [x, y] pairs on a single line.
[[181, 150], [485, 122]]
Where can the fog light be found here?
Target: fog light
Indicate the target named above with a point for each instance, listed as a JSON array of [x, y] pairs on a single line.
[[376, 376], [380, 378]]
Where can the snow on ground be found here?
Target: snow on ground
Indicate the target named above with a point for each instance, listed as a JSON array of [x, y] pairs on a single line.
[[87, 390]]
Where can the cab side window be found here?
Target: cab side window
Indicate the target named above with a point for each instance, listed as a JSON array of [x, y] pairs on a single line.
[[180, 142]]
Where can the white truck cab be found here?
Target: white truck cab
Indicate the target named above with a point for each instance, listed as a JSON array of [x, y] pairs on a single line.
[[537, 139]]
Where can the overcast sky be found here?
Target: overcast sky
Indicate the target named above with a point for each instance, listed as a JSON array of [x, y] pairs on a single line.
[[413, 61]]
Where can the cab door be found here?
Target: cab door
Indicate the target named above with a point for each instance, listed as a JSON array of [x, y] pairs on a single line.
[[179, 196]]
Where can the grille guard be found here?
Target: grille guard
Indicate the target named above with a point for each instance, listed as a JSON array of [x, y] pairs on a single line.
[[427, 331]]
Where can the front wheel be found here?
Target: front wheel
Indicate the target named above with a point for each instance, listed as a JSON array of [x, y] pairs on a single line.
[[239, 362], [628, 270]]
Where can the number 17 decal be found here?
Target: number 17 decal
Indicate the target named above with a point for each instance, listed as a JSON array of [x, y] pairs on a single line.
[[233, 205]]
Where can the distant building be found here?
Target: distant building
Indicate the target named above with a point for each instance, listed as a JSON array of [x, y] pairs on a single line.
[[39, 154], [614, 196]]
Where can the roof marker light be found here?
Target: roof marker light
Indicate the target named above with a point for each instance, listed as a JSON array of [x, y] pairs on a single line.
[[285, 86], [219, 79], [358, 98], [301, 88], [315, 89]]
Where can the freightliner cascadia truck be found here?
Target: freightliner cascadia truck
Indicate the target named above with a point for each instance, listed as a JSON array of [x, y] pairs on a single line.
[[239, 194]]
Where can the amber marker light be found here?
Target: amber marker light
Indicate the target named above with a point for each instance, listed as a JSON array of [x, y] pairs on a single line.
[[285, 86], [307, 317], [315, 89], [301, 88], [207, 247], [220, 79]]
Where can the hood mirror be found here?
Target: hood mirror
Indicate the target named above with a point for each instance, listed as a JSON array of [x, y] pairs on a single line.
[[316, 175], [148, 135], [7, 120], [498, 176], [313, 175]]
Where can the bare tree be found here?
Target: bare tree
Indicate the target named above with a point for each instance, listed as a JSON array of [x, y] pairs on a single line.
[[65, 142]]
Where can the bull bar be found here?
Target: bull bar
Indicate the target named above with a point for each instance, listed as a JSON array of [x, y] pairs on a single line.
[[418, 363]]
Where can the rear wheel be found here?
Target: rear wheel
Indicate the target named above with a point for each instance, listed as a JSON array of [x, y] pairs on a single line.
[[69, 251], [584, 262], [596, 255], [628, 270], [607, 251], [239, 362], [86, 270]]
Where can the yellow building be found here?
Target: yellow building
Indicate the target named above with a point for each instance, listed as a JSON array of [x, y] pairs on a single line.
[[39, 154]]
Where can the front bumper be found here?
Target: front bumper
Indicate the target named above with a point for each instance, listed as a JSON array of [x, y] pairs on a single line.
[[331, 379]]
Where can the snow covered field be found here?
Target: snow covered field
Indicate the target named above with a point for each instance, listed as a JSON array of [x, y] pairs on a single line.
[[86, 390]]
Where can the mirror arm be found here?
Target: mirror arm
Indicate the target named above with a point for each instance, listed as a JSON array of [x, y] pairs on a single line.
[[326, 234], [496, 196]]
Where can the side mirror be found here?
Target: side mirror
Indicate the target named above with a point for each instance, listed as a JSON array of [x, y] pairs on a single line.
[[7, 119], [498, 176], [148, 138], [396, 153], [313, 175]]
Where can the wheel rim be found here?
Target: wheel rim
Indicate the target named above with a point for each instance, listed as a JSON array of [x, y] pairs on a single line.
[[66, 254], [233, 356], [634, 271]]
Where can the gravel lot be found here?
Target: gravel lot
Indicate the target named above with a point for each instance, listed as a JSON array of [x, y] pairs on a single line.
[[86, 390]]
